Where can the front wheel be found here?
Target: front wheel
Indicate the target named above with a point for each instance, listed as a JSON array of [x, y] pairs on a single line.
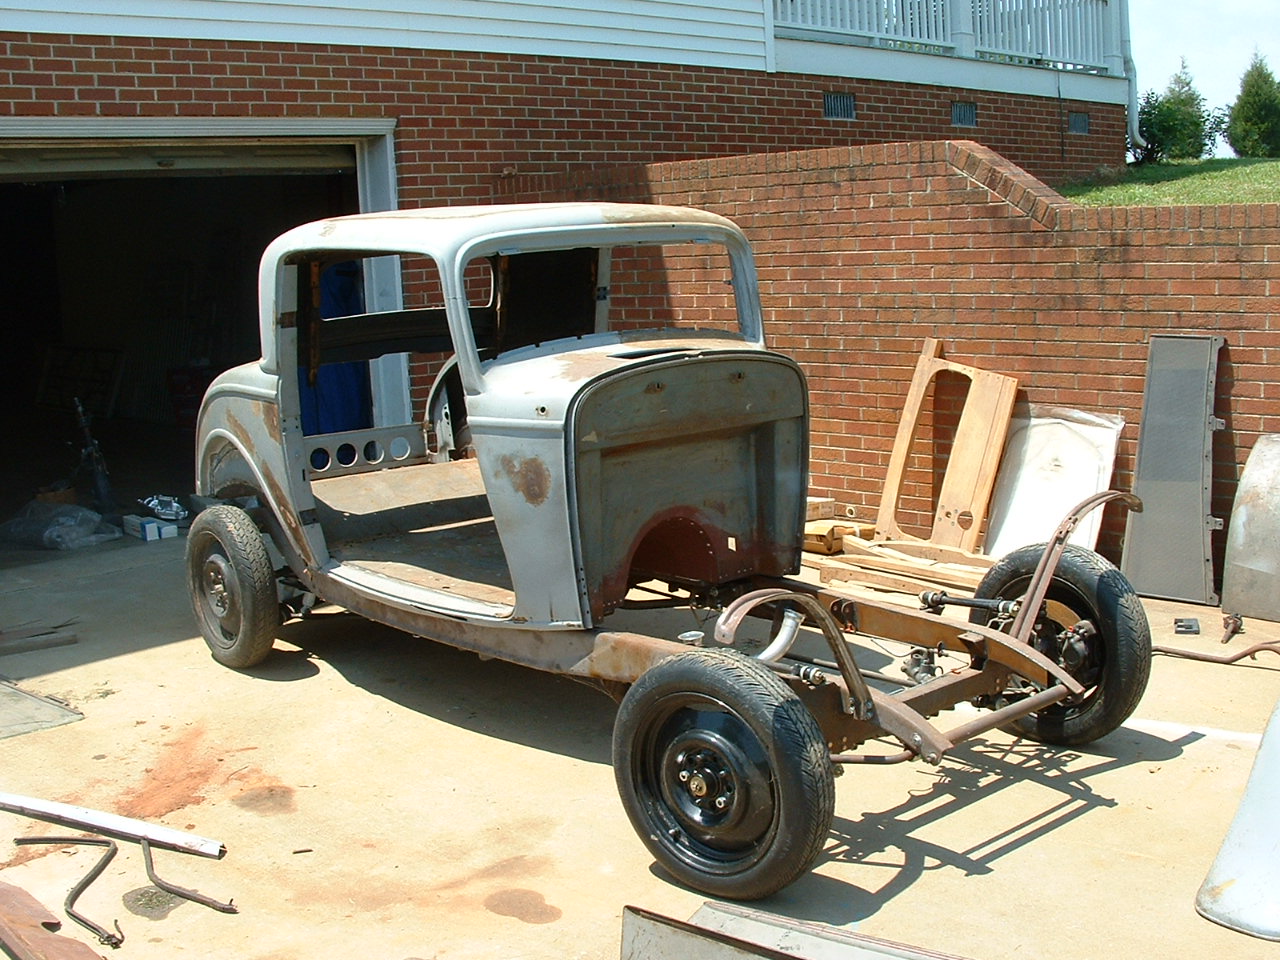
[[724, 773], [1094, 626], [232, 586]]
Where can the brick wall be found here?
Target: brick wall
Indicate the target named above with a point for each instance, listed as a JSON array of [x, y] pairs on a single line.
[[864, 252], [467, 119]]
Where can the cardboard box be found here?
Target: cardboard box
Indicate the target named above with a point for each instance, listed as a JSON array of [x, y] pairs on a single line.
[[148, 528], [820, 508]]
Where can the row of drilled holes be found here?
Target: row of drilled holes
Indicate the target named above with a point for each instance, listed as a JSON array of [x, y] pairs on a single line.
[[372, 453]]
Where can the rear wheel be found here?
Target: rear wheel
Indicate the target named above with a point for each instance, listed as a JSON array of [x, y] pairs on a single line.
[[724, 773], [1094, 626], [232, 586]]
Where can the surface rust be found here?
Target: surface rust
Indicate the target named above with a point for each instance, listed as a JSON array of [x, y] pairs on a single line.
[[530, 477], [28, 931], [583, 366], [275, 492]]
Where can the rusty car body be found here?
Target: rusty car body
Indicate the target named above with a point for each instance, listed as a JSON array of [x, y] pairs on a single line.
[[607, 435]]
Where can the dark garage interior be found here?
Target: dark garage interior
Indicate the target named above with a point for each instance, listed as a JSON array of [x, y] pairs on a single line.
[[131, 292]]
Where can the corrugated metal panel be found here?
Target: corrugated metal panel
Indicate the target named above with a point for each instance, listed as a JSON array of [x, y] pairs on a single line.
[[724, 33]]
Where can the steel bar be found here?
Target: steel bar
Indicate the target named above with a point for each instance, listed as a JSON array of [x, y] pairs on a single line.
[[874, 759], [997, 718], [1038, 588], [902, 681], [937, 599], [1250, 652], [192, 895], [1232, 624], [111, 825], [105, 936], [731, 618]]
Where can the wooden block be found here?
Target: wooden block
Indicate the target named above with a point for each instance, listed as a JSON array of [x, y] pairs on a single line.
[[35, 636], [824, 536], [933, 551], [831, 571], [27, 929], [41, 642], [819, 508], [930, 571]]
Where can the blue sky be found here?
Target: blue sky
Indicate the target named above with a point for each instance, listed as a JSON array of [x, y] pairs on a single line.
[[1217, 37]]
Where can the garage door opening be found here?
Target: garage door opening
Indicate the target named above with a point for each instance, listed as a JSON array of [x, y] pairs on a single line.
[[132, 292]]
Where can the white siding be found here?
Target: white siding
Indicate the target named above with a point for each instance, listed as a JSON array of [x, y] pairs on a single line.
[[720, 33]]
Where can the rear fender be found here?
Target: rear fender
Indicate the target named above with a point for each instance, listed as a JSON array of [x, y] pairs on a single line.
[[227, 471]]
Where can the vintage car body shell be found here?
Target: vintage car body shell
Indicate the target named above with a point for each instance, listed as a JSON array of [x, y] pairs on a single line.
[[568, 554]]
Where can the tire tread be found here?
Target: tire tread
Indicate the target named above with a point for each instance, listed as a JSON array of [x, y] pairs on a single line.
[[1125, 631], [797, 734], [260, 612]]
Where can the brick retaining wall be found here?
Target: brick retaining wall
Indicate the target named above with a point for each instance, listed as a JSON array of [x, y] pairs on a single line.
[[865, 251]]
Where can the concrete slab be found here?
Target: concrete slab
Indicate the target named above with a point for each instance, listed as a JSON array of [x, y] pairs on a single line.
[[388, 797]]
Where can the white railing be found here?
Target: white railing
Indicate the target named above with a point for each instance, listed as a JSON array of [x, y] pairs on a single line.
[[1067, 34], [914, 21]]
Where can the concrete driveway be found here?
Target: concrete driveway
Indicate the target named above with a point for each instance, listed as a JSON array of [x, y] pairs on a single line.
[[382, 796]]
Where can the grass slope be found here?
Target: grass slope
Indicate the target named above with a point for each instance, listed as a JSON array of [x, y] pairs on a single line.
[[1182, 183]]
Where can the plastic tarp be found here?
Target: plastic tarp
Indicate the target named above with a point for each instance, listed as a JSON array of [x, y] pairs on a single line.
[[340, 398]]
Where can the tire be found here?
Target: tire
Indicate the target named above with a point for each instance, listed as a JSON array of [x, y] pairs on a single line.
[[232, 586], [724, 773], [1117, 657]]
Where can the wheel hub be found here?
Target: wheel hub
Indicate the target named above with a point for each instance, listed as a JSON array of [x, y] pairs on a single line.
[[717, 791], [216, 589], [710, 789], [220, 589]]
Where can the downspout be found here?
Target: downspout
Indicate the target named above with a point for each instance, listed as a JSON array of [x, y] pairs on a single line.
[[1131, 74]]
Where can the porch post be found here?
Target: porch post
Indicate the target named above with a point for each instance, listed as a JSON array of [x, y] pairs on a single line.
[[962, 33], [1113, 30]]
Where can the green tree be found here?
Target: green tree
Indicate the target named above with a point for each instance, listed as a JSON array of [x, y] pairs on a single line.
[[1149, 123], [1175, 124], [1253, 125]]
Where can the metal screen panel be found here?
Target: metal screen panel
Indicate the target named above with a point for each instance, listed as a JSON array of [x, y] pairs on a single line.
[[1167, 550]]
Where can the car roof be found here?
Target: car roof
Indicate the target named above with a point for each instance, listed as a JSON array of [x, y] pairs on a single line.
[[439, 231]]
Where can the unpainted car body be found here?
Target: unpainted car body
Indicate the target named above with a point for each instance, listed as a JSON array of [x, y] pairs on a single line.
[[602, 456]]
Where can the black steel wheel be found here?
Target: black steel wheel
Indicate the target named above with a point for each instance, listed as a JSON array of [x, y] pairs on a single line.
[[232, 586], [724, 773], [1094, 626]]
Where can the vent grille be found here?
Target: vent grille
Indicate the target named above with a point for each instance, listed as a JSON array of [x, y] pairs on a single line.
[[964, 114], [839, 106], [1077, 123]]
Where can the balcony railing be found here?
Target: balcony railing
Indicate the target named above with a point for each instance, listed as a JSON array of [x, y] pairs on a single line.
[[1079, 35]]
